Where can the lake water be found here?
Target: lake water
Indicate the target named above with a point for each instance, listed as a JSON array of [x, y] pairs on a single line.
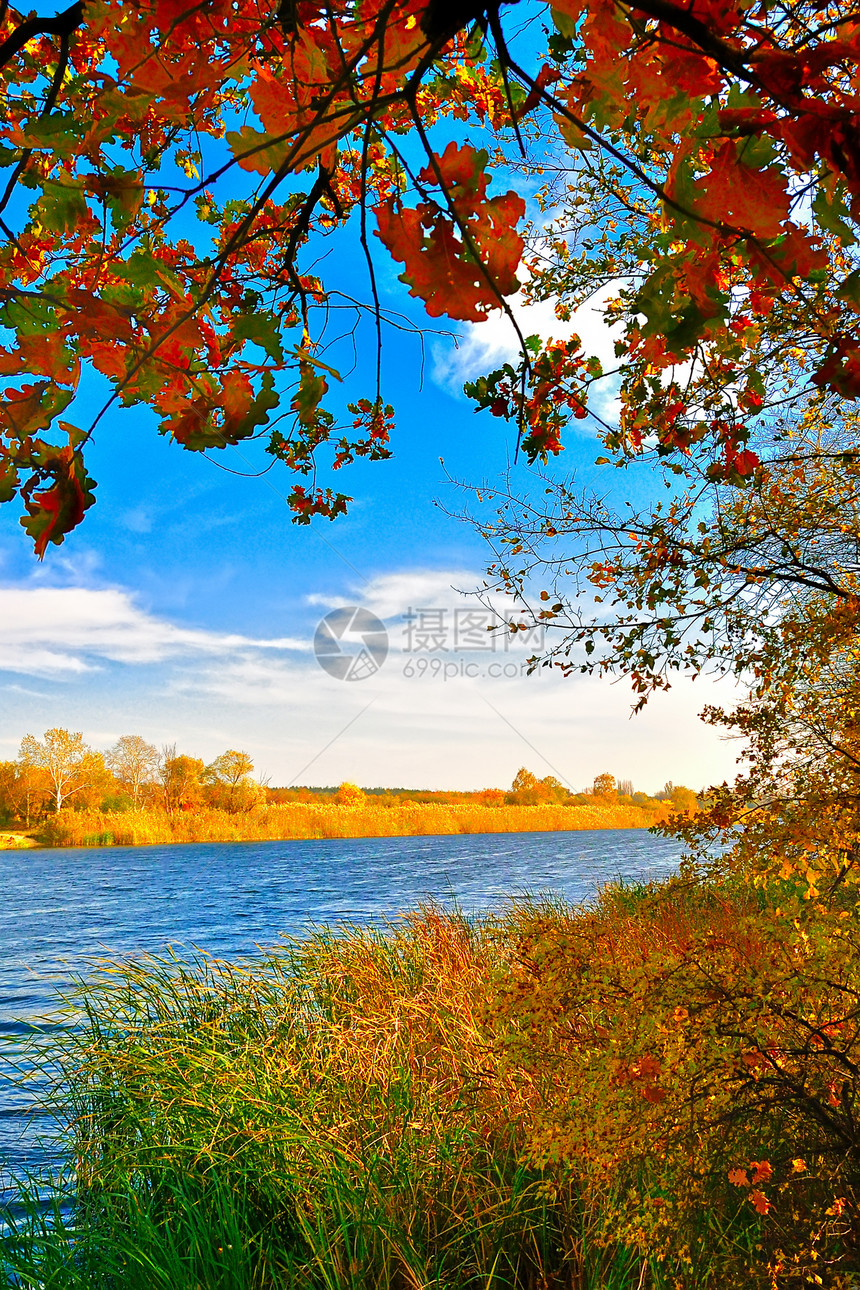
[[60, 909]]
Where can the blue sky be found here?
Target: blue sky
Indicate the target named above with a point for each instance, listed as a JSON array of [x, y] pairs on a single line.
[[184, 609]]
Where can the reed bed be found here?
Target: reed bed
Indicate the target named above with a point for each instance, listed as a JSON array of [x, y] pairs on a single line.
[[297, 820], [516, 1103]]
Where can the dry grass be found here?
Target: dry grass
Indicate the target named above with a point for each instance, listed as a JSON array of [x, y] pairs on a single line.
[[297, 820]]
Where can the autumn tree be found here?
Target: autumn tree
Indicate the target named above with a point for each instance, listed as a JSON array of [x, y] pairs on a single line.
[[18, 792], [71, 768], [23, 790], [604, 787], [528, 790], [229, 785], [134, 762], [350, 795], [181, 780], [793, 814], [29, 789]]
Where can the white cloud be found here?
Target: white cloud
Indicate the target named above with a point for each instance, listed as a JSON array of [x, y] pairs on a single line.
[[396, 593], [458, 714], [462, 714], [71, 630]]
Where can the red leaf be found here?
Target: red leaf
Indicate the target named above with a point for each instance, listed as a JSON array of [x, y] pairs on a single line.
[[760, 1202], [655, 1095], [547, 75], [441, 267], [53, 513], [755, 200]]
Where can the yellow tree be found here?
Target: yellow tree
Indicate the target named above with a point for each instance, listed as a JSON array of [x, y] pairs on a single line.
[[229, 784], [350, 795], [180, 780], [528, 790], [69, 765], [23, 790], [604, 787]]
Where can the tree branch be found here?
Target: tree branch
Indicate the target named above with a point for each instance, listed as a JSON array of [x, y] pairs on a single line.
[[62, 24]]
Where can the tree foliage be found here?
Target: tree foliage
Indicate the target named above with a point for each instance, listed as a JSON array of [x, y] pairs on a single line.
[[134, 762], [229, 784], [170, 174], [181, 780], [68, 767]]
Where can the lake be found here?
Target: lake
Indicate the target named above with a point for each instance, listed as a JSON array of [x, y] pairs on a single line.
[[60, 909]]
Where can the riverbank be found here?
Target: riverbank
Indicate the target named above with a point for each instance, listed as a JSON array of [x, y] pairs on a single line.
[[17, 840], [394, 1109], [298, 820]]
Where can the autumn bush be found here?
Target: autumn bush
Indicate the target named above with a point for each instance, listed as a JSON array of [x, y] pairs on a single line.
[[654, 1092], [692, 1056], [368, 818]]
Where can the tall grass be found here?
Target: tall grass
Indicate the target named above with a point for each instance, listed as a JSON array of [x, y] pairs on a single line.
[[519, 1102], [335, 1120], [328, 820]]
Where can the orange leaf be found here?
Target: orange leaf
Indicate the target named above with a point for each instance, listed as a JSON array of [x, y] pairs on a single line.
[[441, 267], [760, 1202]]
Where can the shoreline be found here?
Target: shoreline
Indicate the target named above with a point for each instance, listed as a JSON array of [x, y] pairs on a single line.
[[18, 840]]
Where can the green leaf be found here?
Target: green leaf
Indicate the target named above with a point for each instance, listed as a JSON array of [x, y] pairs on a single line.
[[563, 23], [29, 316], [309, 394], [25, 411], [62, 205], [832, 214], [144, 270], [305, 357], [123, 193], [260, 328], [8, 479], [258, 413], [60, 133], [850, 289]]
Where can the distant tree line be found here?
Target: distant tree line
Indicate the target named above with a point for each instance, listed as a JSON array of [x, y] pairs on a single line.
[[61, 772], [526, 790]]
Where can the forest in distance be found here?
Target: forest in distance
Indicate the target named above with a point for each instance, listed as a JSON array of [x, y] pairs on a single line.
[[62, 792]]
